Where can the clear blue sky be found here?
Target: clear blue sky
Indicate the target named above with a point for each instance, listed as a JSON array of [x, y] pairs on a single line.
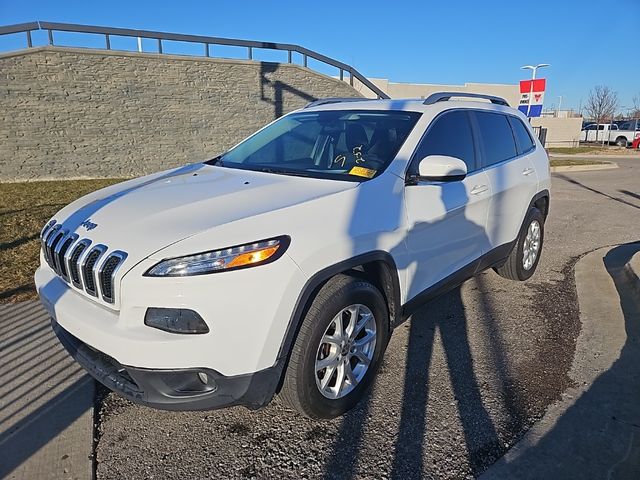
[[587, 42]]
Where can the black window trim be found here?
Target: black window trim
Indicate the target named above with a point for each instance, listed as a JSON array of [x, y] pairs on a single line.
[[412, 169], [512, 119], [477, 138]]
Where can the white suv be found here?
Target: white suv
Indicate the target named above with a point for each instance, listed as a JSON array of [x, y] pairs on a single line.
[[283, 265]]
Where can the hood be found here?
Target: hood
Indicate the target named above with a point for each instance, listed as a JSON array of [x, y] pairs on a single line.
[[143, 216]]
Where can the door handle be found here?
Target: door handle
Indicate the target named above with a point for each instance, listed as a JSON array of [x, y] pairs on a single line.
[[527, 171], [478, 189]]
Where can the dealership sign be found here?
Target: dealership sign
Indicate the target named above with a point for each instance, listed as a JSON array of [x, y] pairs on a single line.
[[532, 96]]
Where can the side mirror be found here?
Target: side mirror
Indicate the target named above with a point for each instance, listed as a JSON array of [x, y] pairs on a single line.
[[441, 168]]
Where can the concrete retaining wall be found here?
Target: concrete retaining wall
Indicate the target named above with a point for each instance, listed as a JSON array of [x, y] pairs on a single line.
[[92, 113], [561, 132]]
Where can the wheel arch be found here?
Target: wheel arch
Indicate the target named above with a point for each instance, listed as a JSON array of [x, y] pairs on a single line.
[[378, 267], [541, 201]]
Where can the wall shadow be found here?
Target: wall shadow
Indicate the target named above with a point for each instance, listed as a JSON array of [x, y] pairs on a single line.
[[599, 435], [610, 197], [272, 91], [631, 194], [17, 242], [42, 391]]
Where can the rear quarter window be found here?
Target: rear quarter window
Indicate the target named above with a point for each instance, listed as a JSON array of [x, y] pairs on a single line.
[[496, 137], [524, 142]]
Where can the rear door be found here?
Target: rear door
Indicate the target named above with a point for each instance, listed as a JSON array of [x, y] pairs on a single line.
[[505, 154]]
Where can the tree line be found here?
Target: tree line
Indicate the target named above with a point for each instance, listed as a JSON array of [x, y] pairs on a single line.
[[602, 105]]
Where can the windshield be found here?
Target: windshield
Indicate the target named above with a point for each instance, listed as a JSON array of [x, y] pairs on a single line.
[[351, 145]]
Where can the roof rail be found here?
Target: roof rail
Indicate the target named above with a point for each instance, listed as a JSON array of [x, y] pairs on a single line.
[[326, 101], [445, 96]]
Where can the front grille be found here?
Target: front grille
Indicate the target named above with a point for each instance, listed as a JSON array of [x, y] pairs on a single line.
[[52, 249], [87, 267], [60, 255], [74, 269], [46, 244], [107, 273]]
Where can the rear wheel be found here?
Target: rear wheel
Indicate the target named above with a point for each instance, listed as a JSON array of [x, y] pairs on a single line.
[[524, 257], [621, 141], [338, 349]]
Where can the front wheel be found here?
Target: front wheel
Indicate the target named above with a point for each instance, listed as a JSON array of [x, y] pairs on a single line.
[[525, 255], [338, 349]]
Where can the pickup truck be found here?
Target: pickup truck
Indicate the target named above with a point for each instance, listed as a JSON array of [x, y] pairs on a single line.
[[627, 132], [622, 134]]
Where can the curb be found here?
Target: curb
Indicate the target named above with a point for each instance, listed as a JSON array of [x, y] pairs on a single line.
[[632, 271], [584, 168], [585, 434], [595, 156]]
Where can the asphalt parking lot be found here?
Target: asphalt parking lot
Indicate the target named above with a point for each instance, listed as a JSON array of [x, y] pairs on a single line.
[[461, 382]]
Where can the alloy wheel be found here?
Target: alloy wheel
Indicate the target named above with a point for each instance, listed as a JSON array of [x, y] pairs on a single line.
[[345, 352], [531, 245]]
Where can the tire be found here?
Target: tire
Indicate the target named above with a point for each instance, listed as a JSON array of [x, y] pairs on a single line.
[[515, 267], [302, 385], [621, 142]]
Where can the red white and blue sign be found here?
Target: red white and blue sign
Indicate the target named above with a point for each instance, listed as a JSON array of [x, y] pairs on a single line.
[[532, 96]]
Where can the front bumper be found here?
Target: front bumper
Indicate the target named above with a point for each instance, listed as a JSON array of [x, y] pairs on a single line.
[[246, 311], [173, 389]]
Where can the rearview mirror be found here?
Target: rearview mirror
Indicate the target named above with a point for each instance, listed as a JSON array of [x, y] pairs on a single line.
[[441, 168]]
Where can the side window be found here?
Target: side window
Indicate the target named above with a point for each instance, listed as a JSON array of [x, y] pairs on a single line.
[[496, 137], [450, 135], [523, 139]]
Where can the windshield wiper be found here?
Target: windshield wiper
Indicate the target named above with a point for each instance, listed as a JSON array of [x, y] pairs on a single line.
[[292, 173], [215, 161]]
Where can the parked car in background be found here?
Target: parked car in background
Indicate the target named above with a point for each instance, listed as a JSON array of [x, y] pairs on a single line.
[[283, 265], [627, 132], [621, 133], [596, 133]]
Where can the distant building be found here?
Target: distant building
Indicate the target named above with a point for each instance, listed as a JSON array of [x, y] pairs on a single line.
[[511, 93], [561, 113], [563, 127]]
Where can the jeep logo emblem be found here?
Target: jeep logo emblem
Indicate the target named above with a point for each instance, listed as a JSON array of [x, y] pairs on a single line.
[[88, 224]]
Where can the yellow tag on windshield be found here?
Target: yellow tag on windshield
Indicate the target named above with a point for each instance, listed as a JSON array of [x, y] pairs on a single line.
[[362, 172]]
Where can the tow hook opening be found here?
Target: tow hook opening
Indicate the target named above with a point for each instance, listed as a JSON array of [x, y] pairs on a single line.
[[189, 383]]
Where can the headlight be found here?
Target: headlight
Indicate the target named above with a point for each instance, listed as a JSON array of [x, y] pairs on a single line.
[[232, 258]]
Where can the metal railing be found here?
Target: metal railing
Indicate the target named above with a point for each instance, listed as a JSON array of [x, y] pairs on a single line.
[[206, 42]]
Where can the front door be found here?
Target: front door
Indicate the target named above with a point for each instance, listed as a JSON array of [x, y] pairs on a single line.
[[446, 220]]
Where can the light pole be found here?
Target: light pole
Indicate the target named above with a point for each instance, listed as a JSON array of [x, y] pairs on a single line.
[[533, 69], [559, 106]]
